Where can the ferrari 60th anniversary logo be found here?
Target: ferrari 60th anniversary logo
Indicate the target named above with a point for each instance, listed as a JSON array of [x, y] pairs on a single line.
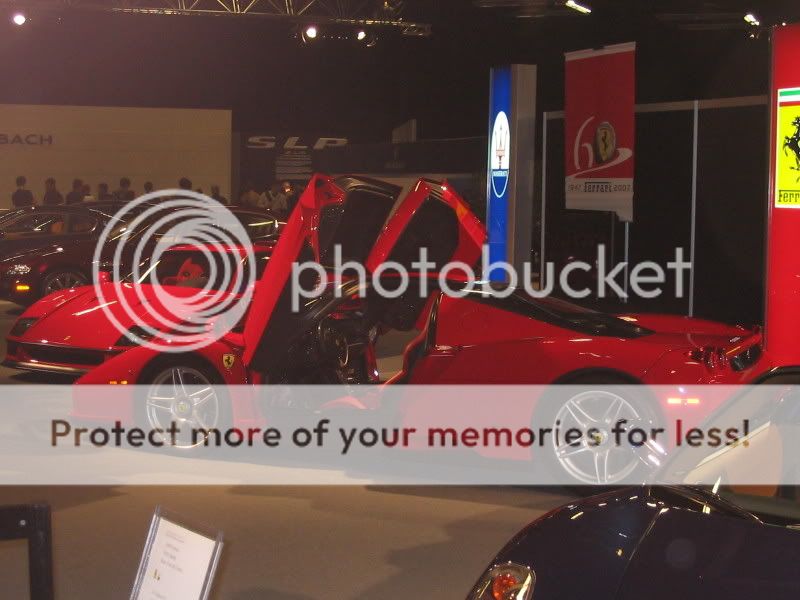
[[228, 360], [605, 142], [787, 160]]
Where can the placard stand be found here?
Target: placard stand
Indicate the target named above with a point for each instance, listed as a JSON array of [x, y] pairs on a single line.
[[178, 562]]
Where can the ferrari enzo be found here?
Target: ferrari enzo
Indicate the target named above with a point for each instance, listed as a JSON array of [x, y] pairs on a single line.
[[477, 338]]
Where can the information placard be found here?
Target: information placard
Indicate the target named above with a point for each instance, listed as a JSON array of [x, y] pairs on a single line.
[[178, 562]]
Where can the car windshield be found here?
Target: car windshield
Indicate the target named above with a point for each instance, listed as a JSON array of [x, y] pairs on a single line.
[[198, 269], [761, 472], [259, 226]]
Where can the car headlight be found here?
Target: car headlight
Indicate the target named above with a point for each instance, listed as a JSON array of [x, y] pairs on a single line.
[[18, 270], [22, 325], [508, 581], [135, 336]]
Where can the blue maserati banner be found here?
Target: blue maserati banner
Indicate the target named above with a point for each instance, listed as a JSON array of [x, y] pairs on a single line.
[[498, 168]]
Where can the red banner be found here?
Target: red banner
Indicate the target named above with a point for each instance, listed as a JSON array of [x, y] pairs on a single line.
[[599, 129]]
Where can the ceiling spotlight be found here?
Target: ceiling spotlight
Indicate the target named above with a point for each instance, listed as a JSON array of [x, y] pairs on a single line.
[[311, 32], [361, 35], [19, 19], [751, 19], [579, 7]]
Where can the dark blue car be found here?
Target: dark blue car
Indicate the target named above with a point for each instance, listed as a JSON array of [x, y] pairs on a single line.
[[729, 540]]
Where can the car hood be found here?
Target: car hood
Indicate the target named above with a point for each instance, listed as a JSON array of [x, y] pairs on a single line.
[[639, 538], [78, 317], [30, 255]]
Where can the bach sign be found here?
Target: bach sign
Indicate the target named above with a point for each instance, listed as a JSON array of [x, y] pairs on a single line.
[[599, 129]]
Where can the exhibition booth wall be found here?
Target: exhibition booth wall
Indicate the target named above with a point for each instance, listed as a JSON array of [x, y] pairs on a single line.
[[700, 184], [104, 144]]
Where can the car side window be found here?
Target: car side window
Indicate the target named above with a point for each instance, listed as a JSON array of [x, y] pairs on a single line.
[[43, 223], [81, 223]]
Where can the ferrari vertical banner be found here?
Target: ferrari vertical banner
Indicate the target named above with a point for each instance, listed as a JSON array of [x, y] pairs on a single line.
[[782, 321], [599, 129], [509, 176]]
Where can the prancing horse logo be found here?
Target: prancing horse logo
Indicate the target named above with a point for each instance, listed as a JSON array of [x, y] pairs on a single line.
[[228, 360], [793, 143]]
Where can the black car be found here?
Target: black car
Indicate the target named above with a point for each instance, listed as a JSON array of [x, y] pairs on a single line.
[[46, 225], [651, 542], [738, 538], [64, 260]]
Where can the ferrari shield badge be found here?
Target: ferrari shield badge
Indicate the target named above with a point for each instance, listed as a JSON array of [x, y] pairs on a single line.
[[787, 162], [228, 360]]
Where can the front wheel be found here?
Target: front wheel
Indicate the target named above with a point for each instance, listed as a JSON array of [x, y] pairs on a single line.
[[186, 395], [62, 280]]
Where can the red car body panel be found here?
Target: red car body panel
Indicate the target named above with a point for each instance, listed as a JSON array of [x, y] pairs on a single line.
[[301, 228], [472, 234]]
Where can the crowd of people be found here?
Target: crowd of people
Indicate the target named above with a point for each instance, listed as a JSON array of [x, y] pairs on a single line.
[[278, 198], [82, 192]]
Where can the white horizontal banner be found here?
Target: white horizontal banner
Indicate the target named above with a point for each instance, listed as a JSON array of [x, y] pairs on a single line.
[[496, 435]]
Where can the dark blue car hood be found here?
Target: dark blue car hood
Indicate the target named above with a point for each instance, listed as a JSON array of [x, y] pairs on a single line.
[[657, 543]]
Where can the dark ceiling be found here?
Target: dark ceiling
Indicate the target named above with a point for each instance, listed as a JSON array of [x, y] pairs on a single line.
[[272, 81]]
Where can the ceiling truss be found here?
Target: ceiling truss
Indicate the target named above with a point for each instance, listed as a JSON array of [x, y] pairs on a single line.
[[365, 13]]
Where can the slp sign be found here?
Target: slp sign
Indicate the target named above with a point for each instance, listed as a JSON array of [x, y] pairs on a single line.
[[509, 176], [270, 142], [783, 226]]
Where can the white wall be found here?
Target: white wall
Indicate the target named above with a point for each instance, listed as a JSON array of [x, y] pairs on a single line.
[[103, 144]]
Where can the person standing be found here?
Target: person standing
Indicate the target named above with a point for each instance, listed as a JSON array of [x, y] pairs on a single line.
[[52, 196], [22, 196], [216, 195], [87, 193], [124, 193], [291, 196], [148, 187], [250, 197], [77, 194], [103, 194], [275, 200]]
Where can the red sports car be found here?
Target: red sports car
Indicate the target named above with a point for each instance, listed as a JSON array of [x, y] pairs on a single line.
[[479, 338]]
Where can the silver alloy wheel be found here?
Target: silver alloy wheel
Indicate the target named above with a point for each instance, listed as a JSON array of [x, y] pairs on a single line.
[[601, 462], [185, 396], [64, 281]]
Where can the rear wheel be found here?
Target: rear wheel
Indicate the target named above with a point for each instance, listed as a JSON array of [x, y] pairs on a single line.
[[187, 394], [62, 280], [597, 460]]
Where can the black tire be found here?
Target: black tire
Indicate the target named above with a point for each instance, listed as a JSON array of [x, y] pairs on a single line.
[[616, 466], [197, 375], [63, 279]]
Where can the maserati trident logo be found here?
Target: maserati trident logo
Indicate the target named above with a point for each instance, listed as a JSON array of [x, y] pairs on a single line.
[[500, 154]]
